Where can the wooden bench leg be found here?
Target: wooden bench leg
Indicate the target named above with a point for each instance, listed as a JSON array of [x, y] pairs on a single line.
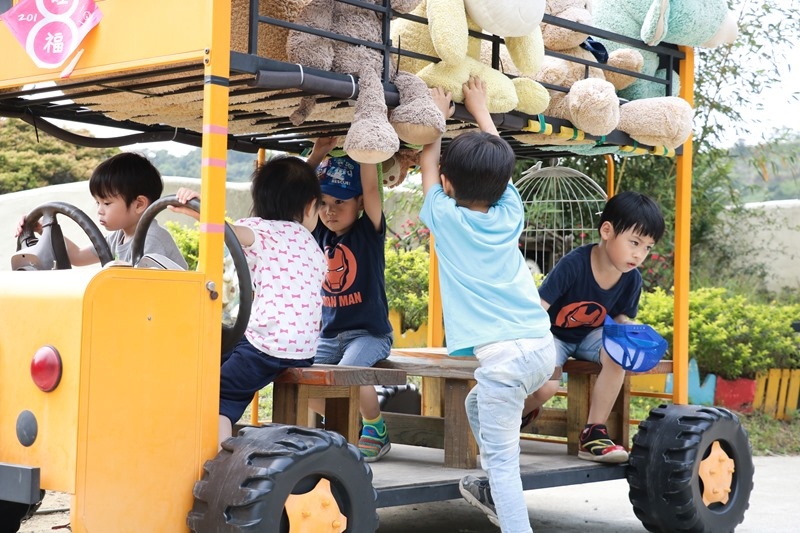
[[290, 404], [341, 411], [579, 391], [460, 448], [618, 420], [432, 396]]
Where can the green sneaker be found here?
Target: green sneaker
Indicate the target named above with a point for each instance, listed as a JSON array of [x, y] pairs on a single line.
[[372, 444]]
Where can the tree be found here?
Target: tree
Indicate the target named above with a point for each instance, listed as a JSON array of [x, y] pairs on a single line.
[[31, 159]]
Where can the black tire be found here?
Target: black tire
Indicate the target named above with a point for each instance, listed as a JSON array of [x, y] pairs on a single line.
[[666, 487], [245, 486], [404, 399], [13, 513]]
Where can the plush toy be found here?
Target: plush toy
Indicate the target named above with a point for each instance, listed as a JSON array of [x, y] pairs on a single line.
[[446, 36], [373, 135], [706, 23], [395, 169], [591, 102]]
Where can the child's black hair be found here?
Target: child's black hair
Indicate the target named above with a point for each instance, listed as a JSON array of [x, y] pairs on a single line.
[[478, 166], [630, 209], [128, 175], [282, 188]]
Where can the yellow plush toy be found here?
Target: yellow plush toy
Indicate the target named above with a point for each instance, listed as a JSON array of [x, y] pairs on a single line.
[[446, 36]]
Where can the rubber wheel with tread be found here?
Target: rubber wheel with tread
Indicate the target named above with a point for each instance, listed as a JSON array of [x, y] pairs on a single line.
[[666, 487], [12, 514], [244, 488]]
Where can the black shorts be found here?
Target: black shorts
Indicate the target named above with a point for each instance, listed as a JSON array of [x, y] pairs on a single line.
[[245, 371]]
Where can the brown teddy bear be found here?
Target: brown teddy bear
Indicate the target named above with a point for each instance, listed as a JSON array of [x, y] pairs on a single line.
[[372, 137]]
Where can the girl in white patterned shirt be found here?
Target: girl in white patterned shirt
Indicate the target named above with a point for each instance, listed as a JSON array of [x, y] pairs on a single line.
[[287, 268]]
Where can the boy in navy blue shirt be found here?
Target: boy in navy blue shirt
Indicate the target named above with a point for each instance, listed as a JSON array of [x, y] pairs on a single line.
[[355, 314], [587, 284]]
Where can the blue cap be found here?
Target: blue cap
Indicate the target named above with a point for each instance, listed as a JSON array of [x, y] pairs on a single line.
[[635, 347], [340, 177]]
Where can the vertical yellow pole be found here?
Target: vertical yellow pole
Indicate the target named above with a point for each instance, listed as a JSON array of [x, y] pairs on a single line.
[[683, 215], [435, 317], [609, 175], [212, 208]]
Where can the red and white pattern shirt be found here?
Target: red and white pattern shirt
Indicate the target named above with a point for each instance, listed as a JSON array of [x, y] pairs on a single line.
[[287, 268]]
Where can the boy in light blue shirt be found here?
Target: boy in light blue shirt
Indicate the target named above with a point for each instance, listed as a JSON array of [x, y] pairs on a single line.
[[491, 305]]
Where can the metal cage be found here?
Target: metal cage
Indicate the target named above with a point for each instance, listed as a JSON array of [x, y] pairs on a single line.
[[562, 210]]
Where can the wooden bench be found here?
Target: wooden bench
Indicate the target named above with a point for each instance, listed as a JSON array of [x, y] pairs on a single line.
[[446, 382], [338, 385]]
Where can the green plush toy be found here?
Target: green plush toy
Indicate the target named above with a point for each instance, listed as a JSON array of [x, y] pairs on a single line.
[[446, 36], [695, 23]]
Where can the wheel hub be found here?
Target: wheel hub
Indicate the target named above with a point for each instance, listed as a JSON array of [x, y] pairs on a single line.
[[315, 510], [716, 472]]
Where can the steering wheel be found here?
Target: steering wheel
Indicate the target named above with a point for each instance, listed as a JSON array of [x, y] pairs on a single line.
[[231, 335], [49, 252]]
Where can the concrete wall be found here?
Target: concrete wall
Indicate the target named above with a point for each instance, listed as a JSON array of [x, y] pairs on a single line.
[[14, 205], [772, 231]]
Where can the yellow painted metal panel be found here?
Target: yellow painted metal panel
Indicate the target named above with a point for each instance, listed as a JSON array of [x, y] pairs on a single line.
[[141, 411], [130, 35], [212, 210], [435, 316], [649, 382], [36, 309]]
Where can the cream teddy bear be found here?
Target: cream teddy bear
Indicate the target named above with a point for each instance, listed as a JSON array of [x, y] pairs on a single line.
[[591, 102], [446, 36]]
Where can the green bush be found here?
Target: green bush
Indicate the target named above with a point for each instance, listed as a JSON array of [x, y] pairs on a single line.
[[188, 241], [729, 336], [407, 284]]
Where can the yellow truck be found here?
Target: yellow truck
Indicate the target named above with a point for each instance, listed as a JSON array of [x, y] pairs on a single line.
[[109, 378]]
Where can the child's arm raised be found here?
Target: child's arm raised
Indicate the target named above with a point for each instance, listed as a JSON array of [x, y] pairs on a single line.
[[371, 194], [322, 146], [245, 235], [429, 159], [475, 102]]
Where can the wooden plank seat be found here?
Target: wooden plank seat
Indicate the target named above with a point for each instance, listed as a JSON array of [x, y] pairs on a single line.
[[338, 385], [446, 382]]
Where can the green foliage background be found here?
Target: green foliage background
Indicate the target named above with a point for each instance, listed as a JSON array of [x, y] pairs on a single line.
[[29, 160], [407, 284], [729, 335]]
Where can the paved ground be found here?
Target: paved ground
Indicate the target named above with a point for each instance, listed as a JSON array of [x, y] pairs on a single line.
[[599, 507], [604, 507]]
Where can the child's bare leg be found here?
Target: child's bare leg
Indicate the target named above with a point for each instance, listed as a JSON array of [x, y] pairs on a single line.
[[225, 430], [540, 397], [606, 389], [368, 403]]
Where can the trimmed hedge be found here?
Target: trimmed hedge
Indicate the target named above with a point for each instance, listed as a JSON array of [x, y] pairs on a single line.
[[728, 336]]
